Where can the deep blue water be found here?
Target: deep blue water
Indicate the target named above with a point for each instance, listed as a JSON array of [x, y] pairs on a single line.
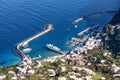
[[20, 19]]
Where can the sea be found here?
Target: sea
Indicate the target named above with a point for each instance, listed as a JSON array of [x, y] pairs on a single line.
[[21, 19]]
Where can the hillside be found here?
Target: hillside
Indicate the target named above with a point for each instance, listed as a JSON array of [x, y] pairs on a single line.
[[112, 34]]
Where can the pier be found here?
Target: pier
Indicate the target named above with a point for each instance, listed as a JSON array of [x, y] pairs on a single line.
[[62, 52], [82, 32], [89, 28], [48, 28]]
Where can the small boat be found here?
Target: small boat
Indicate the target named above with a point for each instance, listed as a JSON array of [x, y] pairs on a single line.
[[27, 50], [78, 20], [75, 26], [52, 47], [37, 57]]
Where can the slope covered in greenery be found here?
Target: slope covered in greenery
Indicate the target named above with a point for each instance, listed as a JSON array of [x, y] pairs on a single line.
[[112, 34]]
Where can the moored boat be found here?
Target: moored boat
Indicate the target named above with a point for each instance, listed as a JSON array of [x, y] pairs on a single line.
[[52, 47], [27, 50]]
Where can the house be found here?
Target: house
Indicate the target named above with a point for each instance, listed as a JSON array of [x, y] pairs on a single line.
[[51, 72], [38, 64], [115, 68], [102, 61], [72, 76], [30, 72], [63, 69], [88, 78], [11, 72], [78, 79], [106, 54], [62, 78], [14, 78], [116, 75], [20, 71], [86, 70], [102, 78], [2, 77]]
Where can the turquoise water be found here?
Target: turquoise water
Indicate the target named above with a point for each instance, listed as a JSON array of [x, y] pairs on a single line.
[[20, 19]]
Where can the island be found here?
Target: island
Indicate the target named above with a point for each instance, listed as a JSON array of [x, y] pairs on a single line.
[[98, 58]]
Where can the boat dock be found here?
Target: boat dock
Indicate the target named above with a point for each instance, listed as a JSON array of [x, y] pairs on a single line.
[[48, 28], [82, 32], [62, 52], [91, 27]]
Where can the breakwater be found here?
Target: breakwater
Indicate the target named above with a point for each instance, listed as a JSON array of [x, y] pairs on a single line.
[[25, 42], [96, 14]]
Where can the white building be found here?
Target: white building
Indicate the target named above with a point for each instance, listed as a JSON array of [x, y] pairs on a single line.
[[62, 78], [116, 75], [51, 72], [30, 72], [63, 69], [20, 71], [88, 78], [88, 71], [14, 78], [2, 77], [115, 68], [38, 64]]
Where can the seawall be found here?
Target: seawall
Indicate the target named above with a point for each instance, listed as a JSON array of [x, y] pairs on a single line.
[[48, 28]]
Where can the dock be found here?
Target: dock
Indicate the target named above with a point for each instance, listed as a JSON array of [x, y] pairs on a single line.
[[62, 52], [82, 32], [48, 28], [89, 28]]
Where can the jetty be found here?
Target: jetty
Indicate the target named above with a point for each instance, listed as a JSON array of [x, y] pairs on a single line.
[[82, 32], [89, 28], [62, 52], [48, 28]]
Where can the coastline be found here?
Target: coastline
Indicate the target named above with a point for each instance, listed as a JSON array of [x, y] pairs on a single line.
[[89, 61]]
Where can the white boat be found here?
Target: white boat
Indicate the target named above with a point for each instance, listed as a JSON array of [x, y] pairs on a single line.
[[75, 26], [27, 50], [37, 57], [52, 47]]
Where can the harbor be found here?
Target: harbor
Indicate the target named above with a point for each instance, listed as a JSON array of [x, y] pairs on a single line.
[[48, 28]]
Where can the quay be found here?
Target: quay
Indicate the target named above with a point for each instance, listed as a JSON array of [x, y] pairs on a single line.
[[62, 52], [80, 33], [91, 27], [25, 42]]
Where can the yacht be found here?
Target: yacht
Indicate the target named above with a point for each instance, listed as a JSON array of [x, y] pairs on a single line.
[[52, 47], [27, 50]]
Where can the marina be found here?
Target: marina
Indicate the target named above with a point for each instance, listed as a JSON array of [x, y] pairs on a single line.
[[23, 22], [49, 27]]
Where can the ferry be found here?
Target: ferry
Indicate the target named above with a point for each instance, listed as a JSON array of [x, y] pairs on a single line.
[[52, 47]]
